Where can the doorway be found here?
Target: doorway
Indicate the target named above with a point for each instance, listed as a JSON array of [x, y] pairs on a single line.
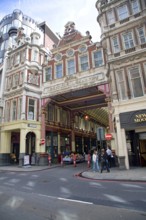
[[142, 151], [30, 143]]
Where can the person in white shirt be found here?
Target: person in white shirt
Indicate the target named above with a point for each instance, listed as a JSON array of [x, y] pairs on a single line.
[[109, 155]]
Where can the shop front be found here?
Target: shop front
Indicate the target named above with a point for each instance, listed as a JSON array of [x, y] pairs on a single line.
[[134, 124]]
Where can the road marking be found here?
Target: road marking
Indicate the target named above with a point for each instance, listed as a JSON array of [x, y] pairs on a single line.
[[72, 200], [3, 178], [25, 187], [64, 199]]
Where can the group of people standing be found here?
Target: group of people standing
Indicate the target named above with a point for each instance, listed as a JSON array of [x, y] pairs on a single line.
[[101, 160]]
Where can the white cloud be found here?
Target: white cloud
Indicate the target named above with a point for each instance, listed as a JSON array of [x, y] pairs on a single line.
[[58, 12]]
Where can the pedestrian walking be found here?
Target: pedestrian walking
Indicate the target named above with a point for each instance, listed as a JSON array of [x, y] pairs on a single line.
[[94, 161], [97, 161], [109, 155], [103, 161]]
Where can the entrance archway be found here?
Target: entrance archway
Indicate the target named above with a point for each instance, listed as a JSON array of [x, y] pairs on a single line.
[[30, 143]]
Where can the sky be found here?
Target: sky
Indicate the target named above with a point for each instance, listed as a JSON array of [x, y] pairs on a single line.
[[56, 13]]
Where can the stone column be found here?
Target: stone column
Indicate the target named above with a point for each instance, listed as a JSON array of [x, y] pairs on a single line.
[[22, 147], [120, 144], [113, 84], [23, 111], [59, 150], [5, 148], [43, 136]]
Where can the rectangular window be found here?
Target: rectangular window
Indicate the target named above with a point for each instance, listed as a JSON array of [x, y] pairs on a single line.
[[110, 17], [50, 112], [7, 112], [19, 108], [121, 85], [17, 59], [48, 74], [35, 55], [116, 45], [123, 12], [98, 59], [84, 63], [71, 67], [59, 71], [128, 40], [142, 38], [14, 110], [136, 82], [135, 6], [31, 109], [15, 80], [63, 117]]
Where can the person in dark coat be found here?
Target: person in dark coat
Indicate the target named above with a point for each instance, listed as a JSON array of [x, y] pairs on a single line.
[[103, 159]]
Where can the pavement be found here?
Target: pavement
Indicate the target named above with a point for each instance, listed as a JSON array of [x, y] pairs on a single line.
[[116, 174]]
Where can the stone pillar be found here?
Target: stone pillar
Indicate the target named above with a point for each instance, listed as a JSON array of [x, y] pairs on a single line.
[[43, 136], [23, 112], [72, 132], [22, 147], [59, 150], [113, 84], [121, 145], [72, 140], [5, 148]]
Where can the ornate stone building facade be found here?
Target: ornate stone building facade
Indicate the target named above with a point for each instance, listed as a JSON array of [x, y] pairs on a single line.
[[48, 97], [124, 36]]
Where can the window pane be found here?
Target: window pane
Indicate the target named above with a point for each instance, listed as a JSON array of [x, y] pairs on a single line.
[[31, 109], [71, 67], [48, 74], [98, 60], [14, 111], [128, 40], [59, 71], [123, 12], [116, 45], [110, 17], [142, 37], [121, 84], [50, 112], [136, 83], [135, 6], [84, 63]]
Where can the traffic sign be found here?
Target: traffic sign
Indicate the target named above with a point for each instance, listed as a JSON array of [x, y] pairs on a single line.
[[42, 141], [108, 137]]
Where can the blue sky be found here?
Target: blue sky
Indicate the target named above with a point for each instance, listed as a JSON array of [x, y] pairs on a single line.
[[57, 13]]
